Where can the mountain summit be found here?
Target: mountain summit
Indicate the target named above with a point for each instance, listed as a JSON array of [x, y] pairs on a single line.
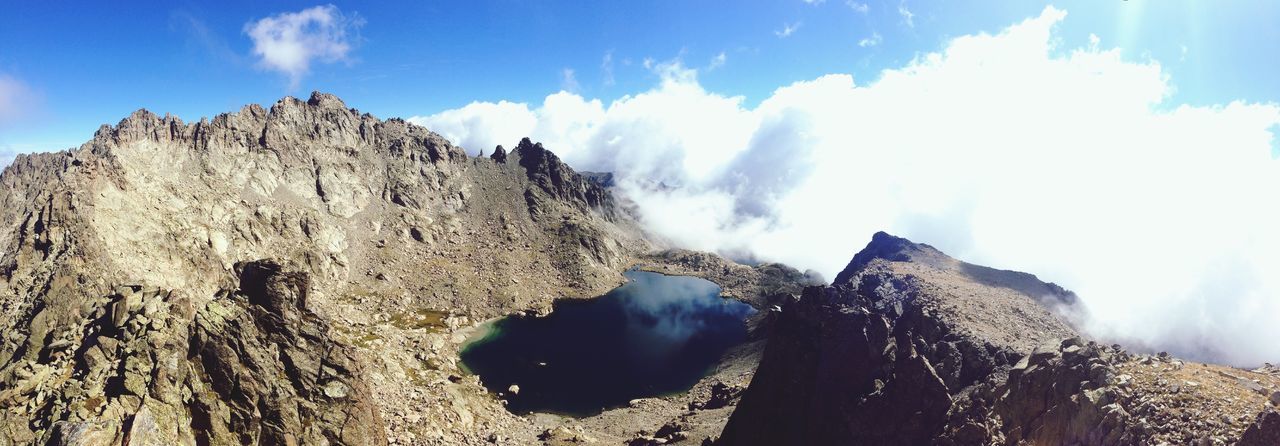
[[205, 282], [307, 274], [909, 346]]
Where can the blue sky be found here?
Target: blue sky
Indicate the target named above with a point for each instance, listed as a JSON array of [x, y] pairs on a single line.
[[82, 65]]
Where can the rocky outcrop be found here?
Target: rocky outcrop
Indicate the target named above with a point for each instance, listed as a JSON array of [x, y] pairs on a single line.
[[383, 224], [499, 155], [1079, 392], [278, 374], [252, 366], [1058, 394], [836, 375], [879, 356], [910, 347], [1264, 431], [556, 179]]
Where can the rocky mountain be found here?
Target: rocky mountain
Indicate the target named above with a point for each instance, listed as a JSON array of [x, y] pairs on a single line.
[[141, 301], [909, 346], [306, 274]]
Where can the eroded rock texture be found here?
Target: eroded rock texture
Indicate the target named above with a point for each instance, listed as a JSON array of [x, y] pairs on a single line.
[[276, 373], [253, 366], [877, 357], [909, 346], [124, 315]]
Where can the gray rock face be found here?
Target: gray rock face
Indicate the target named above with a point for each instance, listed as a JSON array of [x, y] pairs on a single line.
[[912, 347], [880, 356], [250, 367], [556, 179], [499, 155], [279, 376], [1058, 394], [1264, 431], [123, 314]]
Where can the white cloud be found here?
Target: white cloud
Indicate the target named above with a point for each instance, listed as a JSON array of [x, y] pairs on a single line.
[[814, 2], [569, 80], [874, 39], [718, 61], [481, 125], [787, 30], [1071, 163], [289, 42], [908, 18], [858, 7]]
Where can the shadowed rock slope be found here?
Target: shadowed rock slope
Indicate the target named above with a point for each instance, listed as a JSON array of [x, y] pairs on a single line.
[[911, 347]]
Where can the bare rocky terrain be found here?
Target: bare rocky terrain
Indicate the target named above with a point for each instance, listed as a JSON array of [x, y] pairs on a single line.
[[909, 346], [307, 274]]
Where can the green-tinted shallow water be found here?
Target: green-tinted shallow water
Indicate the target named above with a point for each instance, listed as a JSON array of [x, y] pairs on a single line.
[[656, 335]]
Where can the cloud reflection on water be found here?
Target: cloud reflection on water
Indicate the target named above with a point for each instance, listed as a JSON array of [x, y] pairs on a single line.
[[661, 321]]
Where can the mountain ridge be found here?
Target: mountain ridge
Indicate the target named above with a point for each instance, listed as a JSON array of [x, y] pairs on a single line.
[[386, 220], [909, 346], [307, 273]]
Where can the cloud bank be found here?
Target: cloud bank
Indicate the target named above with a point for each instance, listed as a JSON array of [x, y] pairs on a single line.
[[1002, 149], [289, 42]]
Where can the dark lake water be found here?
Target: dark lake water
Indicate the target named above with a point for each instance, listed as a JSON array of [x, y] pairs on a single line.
[[655, 335]]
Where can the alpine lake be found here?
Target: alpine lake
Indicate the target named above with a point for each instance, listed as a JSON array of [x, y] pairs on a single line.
[[655, 335]]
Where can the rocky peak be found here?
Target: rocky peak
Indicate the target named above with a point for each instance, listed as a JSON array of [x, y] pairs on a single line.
[[370, 219], [886, 247], [537, 159], [325, 100], [558, 180], [880, 356], [499, 154], [912, 347]]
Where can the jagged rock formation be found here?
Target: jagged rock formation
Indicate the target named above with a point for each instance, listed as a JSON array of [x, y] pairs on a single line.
[[557, 180], [252, 366], [276, 374], [387, 224], [1058, 394], [877, 357], [499, 155], [136, 308], [1078, 392], [909, 346]]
